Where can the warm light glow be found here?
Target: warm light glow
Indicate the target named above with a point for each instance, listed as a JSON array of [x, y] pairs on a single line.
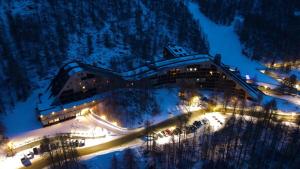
[[210, 72], [53, 113], [83, 87], [115, 123], [93, 101], [41, 116], [103, 117], [65, 109], [297, 86], [10, 145], [195, 101], [172, 128], [74, 106]]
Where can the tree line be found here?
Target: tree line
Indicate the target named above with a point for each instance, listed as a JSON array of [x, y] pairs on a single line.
[[267, 28], [244, 142], [39, 36]]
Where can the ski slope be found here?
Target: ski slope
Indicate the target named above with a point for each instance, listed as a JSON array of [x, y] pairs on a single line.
[[224, 40]]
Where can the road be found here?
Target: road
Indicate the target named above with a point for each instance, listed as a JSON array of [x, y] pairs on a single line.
[[121, 141], [84, 127], [134, 136]]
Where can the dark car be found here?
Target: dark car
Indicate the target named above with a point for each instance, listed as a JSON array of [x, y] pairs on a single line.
[[76, 143], [25, 161], [193, 129], [188, 130], [197, 124], [164, 133], [177, 131], [82, 143], [168, 132], [35, 151]]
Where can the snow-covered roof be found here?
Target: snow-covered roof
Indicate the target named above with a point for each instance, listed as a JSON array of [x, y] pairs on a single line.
[[146, 71], [177, 51], [51, 109]]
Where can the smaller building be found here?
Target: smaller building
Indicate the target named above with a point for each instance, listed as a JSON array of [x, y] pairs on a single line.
[[174, 51]]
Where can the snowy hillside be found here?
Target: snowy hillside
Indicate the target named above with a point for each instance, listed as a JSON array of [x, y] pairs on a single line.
[[36, 38], [224, 40]]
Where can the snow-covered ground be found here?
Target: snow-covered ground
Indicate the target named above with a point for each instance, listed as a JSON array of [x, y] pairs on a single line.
[[102, 160], [22, 118], [83, 126], [211, 118], [224, 40], [168, 101]]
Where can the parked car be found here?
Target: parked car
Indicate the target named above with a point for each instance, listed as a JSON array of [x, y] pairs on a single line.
[[30, 155], [197, 124], [205, 121], [25, 161], [190, 129], [149, 138], [193, 128], [76, 142], [177, 131], [82, 143], [164, 133], [36, 151], [168, 132]]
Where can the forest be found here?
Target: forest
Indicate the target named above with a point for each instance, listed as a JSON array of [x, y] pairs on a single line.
[[245, 142], [268, 29], [37, 37]]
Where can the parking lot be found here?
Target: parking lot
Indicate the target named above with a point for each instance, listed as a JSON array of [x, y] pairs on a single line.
[[214, 120]]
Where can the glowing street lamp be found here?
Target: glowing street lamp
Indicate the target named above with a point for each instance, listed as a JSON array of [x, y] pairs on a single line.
[[115, 123], [195, 101], [103, 117]]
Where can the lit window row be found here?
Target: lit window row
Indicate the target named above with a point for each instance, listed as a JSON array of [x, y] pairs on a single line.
[[192, 69]]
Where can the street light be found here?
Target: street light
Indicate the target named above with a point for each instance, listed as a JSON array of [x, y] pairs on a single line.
[[103, 117], [195, 101]]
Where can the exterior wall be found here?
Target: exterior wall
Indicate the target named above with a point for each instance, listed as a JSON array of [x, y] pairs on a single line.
[[82, 85], [65, 114], [204, 75]]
